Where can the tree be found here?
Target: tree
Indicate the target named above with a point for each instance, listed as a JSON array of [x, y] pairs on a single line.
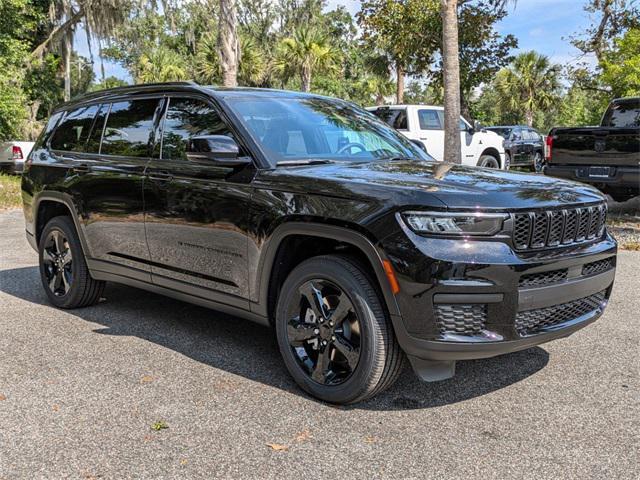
[[228, 42], [404, 32], [621, 65], [530, 84], [451, 77], [161, 65], [304, 52]]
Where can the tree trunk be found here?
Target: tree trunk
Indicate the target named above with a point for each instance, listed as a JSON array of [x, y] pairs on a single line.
[[528, 115], [228, 42], [451, 74], [305, 78], [66, 57], [399, 84]]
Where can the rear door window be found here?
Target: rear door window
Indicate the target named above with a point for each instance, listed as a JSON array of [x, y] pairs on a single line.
[[429, 120], [93, 143], [394, 117], [186, 118], [72, 132], [129, 131]]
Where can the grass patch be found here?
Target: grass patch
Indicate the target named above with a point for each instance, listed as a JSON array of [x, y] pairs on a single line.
[[10, 191]]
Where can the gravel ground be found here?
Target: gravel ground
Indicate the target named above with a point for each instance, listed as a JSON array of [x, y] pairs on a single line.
[[81, 390]]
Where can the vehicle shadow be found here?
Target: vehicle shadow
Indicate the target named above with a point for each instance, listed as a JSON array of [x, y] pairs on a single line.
[[243, 348]]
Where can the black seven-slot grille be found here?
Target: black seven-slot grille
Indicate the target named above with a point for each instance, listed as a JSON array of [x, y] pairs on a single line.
[[532, 321], [551, 228]]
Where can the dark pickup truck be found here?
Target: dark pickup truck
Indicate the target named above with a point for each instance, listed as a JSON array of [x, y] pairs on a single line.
[[607, 156]]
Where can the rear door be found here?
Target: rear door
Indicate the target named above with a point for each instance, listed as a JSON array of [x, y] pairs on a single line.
[[197, 213], [518, 155], [107, 177], [431, 131]]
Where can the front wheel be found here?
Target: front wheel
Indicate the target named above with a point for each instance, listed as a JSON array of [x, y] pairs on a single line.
[[333, 332], [488, 161]]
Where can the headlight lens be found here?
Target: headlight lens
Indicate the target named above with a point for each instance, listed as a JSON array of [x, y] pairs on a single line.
[[455, 223]]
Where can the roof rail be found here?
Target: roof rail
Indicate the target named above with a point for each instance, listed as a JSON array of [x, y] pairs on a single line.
[[107, 91]]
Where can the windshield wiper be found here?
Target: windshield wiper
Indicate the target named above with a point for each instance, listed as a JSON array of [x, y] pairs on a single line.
[[290, 163]]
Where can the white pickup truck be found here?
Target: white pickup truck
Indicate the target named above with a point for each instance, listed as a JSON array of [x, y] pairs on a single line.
[[12, 156], [425, 124]]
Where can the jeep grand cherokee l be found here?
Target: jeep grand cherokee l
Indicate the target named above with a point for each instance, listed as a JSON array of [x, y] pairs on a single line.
[[311, 215]]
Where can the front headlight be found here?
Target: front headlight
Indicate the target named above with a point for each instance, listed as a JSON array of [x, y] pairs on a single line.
[[472, 223]]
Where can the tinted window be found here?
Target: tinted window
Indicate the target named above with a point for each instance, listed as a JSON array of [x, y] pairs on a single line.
[[93, 143], [429, 120], [72, 133], [186, 118], [534, 135], [129, 130], [503, 132], [623, 114], [516, 135], [394, 117]]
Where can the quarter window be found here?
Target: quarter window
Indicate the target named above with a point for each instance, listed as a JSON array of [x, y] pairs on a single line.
[[186, 118], [130, 130], [72, 133]]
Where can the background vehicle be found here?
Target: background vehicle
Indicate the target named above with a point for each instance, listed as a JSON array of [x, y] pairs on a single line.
[[308, 214], [425, 123], [607, 156], [13, 154], [523, 146]]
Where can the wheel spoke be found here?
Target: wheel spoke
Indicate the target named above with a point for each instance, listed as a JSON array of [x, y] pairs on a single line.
[[299, 331], [47, 257], [341, 310], [65, 281], [348, 350], [67, 258], [57, 241], [53, 281], [314, 297], [320, 370]]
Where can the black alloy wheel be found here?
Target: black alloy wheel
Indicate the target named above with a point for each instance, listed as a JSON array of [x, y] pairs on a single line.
[[57, 260], [538, 162], [324, 333]]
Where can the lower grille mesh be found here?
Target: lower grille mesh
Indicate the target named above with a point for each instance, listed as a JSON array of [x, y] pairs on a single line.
[[461, 319], [600, 266], [543, 278], [532, 321]]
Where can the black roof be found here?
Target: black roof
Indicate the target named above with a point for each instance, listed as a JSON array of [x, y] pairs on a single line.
[[180, 86]]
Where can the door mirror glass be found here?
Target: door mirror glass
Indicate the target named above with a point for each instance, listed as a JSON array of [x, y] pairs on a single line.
[[219, 150]]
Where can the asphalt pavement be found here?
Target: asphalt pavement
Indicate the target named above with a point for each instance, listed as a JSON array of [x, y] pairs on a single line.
[[142, 386]]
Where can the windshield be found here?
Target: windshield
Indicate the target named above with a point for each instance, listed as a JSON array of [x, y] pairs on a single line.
[[306, 129], [502, 131]]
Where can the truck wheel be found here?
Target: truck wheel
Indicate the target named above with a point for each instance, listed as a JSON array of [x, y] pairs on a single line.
[[488, 161], [334, 335], [538, 162], [507, 161], [63, 269]]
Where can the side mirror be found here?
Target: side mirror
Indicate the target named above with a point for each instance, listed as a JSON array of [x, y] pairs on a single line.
[[477, 126], [220, 150]]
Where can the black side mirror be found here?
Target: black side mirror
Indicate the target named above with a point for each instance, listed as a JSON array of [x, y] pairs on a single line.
[[419, 144], [220, 150]]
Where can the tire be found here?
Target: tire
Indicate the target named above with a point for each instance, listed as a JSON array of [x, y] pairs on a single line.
[[489, 161], [538, 162], [507, 161], [66, 278], [362, 327]]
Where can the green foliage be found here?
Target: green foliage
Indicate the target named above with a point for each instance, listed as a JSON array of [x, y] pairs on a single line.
[[160, 65], [621, 65]]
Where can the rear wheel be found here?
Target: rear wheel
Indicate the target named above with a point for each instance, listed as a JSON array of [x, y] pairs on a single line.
[[333, 332], [63, 269], [507, 161], [488, 161], [538, 162]]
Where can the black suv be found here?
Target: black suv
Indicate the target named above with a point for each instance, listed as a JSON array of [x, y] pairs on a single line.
[[523, 146], [309, 214]]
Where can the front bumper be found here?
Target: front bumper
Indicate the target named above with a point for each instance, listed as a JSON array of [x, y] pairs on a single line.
[[462, 300]]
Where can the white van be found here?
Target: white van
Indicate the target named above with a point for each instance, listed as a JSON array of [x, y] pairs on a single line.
[[425, 124]]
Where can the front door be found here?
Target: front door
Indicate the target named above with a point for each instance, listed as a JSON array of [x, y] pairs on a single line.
[[196, 214]]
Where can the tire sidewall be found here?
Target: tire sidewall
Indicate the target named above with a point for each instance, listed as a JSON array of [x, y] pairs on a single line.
[[361, 379], [489, 158], [64, 225]]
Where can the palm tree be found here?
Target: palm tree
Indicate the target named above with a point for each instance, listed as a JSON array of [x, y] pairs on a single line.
[[228, 42], [451, 75], [160, 65], [207, 67], [307, 50], [529, 84]]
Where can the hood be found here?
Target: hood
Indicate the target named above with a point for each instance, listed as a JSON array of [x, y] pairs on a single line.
[[420, 183]]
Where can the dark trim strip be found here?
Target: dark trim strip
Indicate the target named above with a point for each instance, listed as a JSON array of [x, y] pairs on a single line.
[[174, 269], [468, 298]]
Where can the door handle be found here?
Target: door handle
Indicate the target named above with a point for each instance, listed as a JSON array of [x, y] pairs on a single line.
[[161, 176]]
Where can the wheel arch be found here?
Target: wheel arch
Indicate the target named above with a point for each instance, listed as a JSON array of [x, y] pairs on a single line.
[[272, 272], [493, 151], [50, 204]]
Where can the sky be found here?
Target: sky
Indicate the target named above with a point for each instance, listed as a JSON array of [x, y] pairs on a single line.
[[541, 25]]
